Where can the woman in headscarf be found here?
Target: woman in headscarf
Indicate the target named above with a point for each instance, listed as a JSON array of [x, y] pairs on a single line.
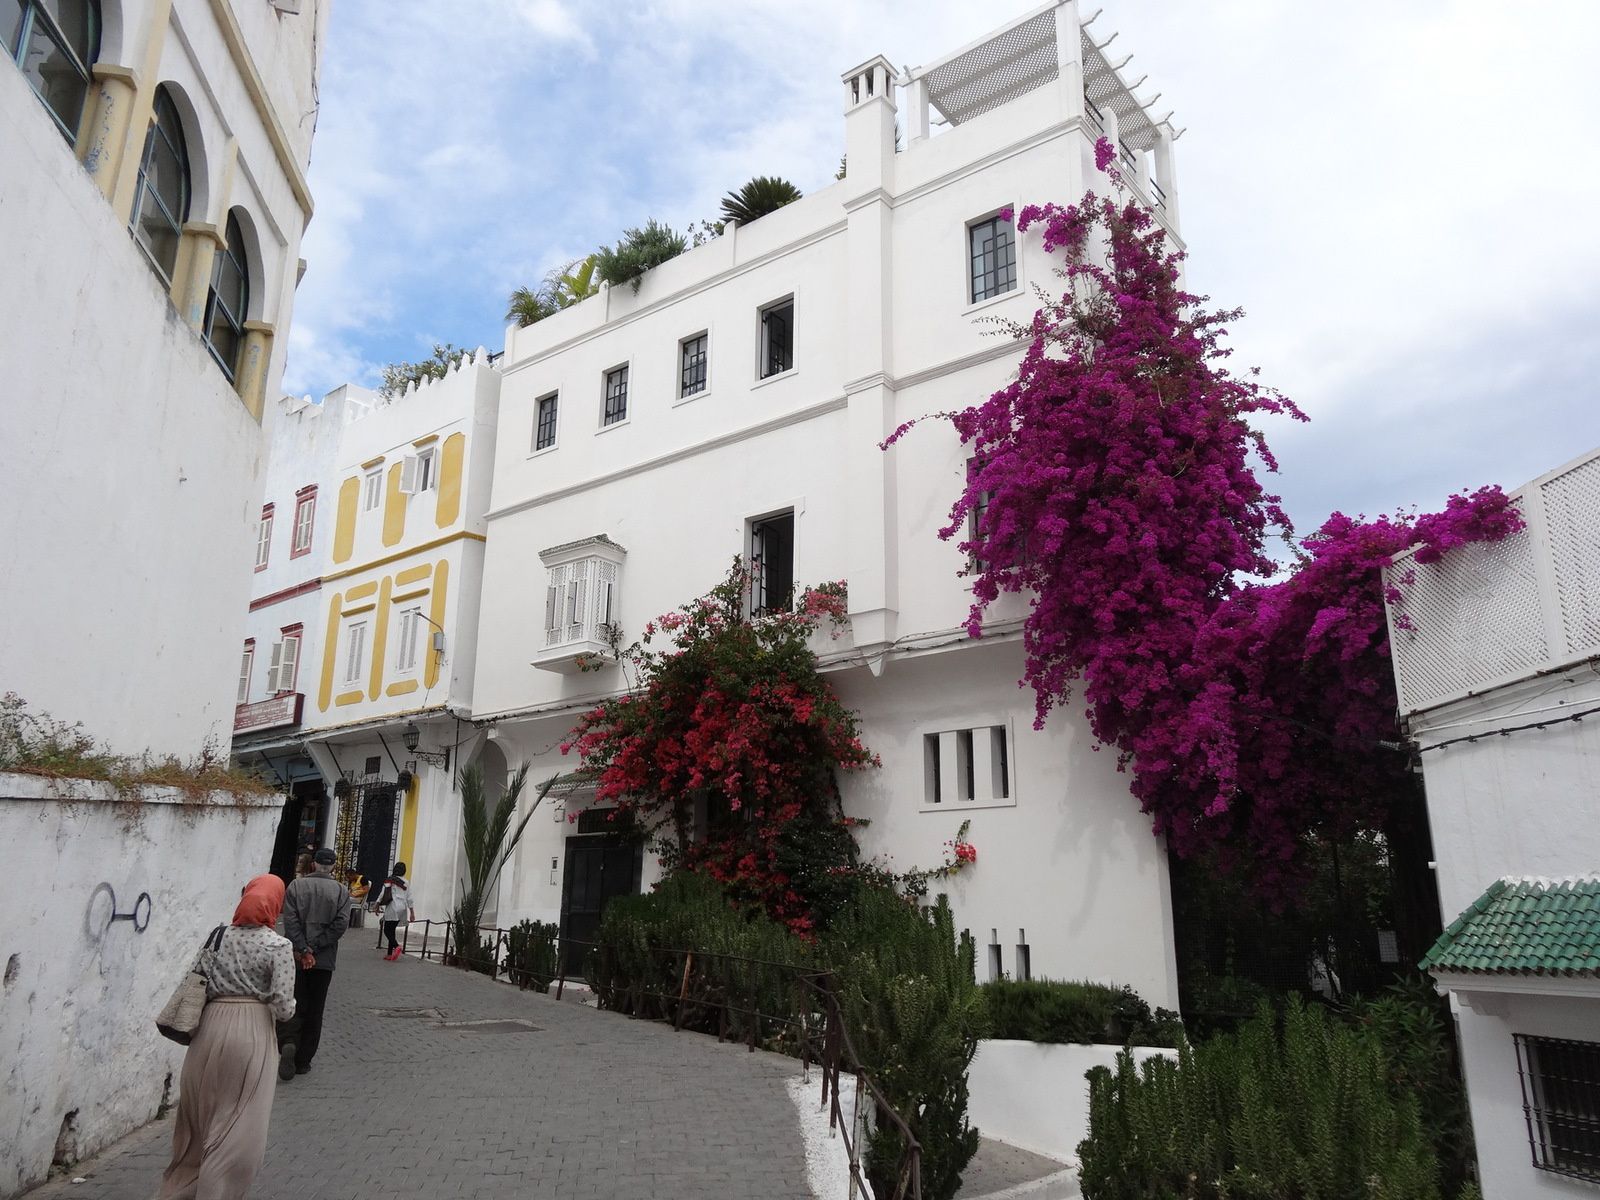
[[229, 1075]]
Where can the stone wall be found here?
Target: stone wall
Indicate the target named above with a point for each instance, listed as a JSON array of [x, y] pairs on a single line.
[[81, 1062]]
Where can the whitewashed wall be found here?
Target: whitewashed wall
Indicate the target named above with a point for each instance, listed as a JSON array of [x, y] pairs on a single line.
[[81, 992]]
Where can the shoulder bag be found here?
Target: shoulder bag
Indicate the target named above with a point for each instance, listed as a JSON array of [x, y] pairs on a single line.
[[179, 1018]]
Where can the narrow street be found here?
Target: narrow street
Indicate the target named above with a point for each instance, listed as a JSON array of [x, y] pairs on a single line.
[[436, 1083]]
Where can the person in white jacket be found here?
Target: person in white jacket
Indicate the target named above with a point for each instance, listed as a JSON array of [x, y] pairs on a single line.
[[394, 903]]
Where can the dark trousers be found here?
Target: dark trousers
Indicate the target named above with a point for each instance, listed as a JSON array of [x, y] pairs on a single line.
[[304, 1029], [388, 931]]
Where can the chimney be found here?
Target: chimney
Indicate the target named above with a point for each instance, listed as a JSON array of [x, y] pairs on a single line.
[[869, 124]]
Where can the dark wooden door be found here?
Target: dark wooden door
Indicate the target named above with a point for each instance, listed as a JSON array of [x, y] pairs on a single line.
[[598, 869]]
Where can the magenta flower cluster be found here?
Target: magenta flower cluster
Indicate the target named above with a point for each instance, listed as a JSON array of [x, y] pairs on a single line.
[[1116, 485]]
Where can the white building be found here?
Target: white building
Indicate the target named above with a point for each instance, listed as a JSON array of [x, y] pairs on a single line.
[[369, 557], [734, 405], [1496, 678], [282, 649], [152, 200]]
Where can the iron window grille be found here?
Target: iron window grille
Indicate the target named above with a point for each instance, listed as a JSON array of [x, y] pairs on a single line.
[[616, 397], [975, 518], [161, 201], [544, 435], [228, 301], [54, 43], [994, 258], [772, 564], [692, 378], [1561, 1104], [777, 338]]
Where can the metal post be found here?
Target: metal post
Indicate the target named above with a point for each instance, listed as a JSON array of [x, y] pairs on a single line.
[[683, 990], [427, 928]]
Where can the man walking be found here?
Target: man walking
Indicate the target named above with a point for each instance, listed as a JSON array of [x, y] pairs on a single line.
[[316, 912]]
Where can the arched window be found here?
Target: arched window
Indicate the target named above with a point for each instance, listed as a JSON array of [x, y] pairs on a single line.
[[55, 43], [228, 301], [161, 203]]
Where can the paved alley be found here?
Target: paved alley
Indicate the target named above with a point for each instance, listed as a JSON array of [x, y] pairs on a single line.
[[436, 1083]]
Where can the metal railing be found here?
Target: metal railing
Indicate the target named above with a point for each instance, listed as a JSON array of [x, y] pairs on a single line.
[[706, 990]]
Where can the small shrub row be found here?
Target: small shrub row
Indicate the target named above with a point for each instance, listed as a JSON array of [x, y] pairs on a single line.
[[906, 990], [1307, 1112], [1048, 1010]]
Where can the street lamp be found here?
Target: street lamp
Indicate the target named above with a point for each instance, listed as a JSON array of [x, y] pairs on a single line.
[[411, 736]]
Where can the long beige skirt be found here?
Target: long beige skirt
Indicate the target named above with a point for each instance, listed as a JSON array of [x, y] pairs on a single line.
[[225, 1105]]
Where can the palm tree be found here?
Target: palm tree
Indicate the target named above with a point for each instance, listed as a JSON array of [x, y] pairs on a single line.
[[762, 195], [487, 839], [561, 287]]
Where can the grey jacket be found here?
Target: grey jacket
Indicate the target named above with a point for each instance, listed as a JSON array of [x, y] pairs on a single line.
[[316, 912]]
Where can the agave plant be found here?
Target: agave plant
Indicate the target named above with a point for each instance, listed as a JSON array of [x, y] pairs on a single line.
[[762, 195]]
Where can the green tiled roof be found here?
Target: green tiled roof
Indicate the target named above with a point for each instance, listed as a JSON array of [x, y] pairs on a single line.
[[1525, 927]]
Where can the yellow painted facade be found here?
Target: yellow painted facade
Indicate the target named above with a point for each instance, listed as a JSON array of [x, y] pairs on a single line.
[[452, 470], [344, 531], [394, 509], [379, 601]]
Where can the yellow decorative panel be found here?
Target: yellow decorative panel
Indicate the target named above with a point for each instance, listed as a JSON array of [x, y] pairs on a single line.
[[348, 698], [452, 460], [380, 641], [344, 529], [394, 509], [330, 646], [413, 575], [441, 584], [361, 591], [404, 688], [408, 822]]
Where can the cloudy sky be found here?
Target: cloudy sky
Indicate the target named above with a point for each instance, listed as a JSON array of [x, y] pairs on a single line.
[[1403, 194]]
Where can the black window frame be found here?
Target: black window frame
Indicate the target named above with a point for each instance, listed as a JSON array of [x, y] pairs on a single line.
[[177, 143], [1560, 1080], [776, 349], [614, 409], [694, 363], [772, 583], [217, 308], [544, 432], [34, 17], [991, 263]]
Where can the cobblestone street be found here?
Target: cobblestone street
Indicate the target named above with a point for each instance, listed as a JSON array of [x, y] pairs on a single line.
[[410, 1098]]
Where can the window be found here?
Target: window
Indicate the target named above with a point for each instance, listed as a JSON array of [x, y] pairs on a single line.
[[285, 668], [264, 538], [777, 338], [544, 430], [994, 258], [692, 363], [616, 396], [976, 515], [55, 42], [406, 643], [355, 653], [1561, 1104], [967, 766], [161, 200], [580, 603], [372, 490], [305, 514], [419, 472], [772, 563], [247, 664], [228, 301]]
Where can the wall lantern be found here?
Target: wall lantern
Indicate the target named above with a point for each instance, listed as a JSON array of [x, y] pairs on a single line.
[[412, 736]]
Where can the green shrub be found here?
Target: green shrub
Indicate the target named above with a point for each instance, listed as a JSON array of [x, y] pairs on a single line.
[[1253, 1115], [1048, 1010], [637, 252], [906, 989], [531, 954], [1410, 1022]]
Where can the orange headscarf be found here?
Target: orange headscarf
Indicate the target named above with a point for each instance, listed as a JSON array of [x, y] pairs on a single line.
[[261, 903]]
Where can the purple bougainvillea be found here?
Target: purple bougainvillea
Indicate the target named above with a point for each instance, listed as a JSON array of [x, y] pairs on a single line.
[[1115, 481]]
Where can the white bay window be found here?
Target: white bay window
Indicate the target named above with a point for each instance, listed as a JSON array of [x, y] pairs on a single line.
[[580, 602]]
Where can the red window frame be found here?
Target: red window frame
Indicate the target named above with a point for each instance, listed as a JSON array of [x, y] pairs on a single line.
[[305, 498]]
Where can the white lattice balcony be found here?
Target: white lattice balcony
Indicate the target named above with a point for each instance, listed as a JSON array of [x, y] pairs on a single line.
[[1491, 614], [580, 607]]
